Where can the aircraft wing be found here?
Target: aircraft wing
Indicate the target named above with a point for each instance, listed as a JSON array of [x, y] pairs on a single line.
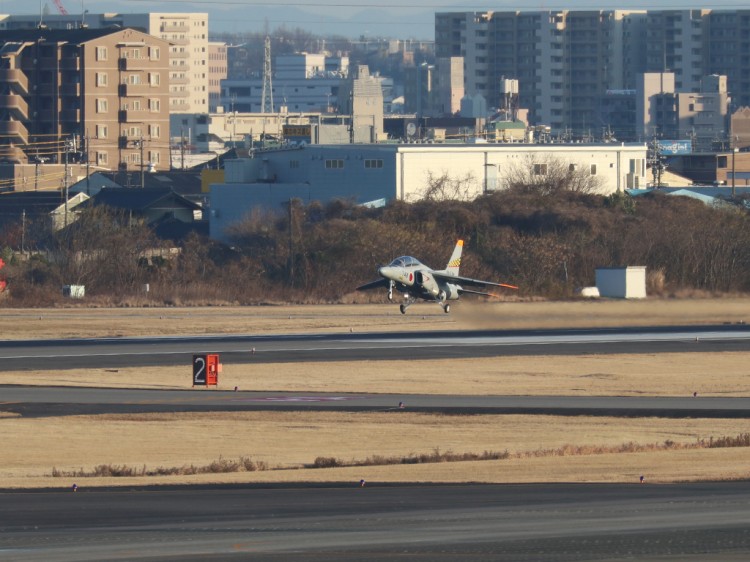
[[469, 281], [374, 284]]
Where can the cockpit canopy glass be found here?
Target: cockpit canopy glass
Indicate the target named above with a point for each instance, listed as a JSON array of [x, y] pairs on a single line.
[[405, 261]]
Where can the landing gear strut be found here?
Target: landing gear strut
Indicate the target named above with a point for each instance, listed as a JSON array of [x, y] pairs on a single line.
[[390, 290], [409, 301]]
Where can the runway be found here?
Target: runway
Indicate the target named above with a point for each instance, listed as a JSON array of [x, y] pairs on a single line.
[[163, 351], [695, 521], [375, 522]]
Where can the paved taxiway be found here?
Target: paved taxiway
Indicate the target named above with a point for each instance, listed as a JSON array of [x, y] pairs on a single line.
[[59, 401], [707, 521]]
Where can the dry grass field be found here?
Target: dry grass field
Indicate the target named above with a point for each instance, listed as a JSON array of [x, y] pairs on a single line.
[[540, 448]]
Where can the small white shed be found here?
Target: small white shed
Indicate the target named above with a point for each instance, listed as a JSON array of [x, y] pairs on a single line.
[[622, 282]]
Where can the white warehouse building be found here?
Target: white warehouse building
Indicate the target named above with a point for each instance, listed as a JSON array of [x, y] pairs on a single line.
[[367, 173]]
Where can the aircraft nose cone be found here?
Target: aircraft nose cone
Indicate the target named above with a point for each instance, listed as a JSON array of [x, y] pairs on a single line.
[[382, 270]]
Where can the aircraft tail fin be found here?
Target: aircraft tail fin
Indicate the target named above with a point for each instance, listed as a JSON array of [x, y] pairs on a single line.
[[455, 262]]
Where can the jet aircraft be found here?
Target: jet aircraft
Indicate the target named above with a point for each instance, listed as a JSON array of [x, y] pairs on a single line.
[[418, 281]]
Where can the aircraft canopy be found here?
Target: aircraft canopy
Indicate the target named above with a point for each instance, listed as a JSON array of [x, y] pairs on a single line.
[[405, 261]]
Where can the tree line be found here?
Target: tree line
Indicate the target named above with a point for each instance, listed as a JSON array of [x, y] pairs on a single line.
[[547, 241]]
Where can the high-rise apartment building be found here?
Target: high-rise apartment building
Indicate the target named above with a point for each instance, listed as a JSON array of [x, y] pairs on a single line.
[[217, 71], [188, 52], [96, 95], [573, 66], [564, 60]]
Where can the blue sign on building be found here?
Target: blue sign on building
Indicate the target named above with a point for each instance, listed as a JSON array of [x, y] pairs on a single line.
[[674, 147]]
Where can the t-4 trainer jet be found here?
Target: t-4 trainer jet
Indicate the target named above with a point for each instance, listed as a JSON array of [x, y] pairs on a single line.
[[417, 281]]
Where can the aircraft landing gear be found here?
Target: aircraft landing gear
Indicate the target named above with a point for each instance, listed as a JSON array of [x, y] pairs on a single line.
[[390, 291], [446, 307], [402, 308], [409, 301]]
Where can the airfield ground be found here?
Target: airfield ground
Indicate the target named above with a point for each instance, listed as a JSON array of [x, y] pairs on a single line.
[[540, 448]]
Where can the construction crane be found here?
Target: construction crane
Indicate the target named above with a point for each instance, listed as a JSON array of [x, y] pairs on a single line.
[[60, 7]]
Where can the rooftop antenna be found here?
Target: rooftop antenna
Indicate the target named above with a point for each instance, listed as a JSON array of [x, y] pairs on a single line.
[[267, 96], [83, 16]]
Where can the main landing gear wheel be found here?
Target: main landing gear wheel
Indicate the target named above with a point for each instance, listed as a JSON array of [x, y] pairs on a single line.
[[447, 308], [403, 309]]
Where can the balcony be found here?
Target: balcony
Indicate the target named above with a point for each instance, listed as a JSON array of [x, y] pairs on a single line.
[[180, 41], [131, 63], [71, 89], [16, 106], [179, 105], [69, 115], [132, 115], [70, 63], [132, 90], [179, 80], [16, 79], [174, 28], [179, 55], [14, 131], [10, 153]]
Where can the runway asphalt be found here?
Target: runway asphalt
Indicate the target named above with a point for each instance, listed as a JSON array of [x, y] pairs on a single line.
[[162, 351], [707, 521]]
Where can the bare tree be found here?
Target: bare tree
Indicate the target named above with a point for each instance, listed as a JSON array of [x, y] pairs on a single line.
[[445, 187], [546, 175]]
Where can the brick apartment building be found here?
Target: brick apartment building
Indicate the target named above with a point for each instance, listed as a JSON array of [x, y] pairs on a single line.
[[84, 95]]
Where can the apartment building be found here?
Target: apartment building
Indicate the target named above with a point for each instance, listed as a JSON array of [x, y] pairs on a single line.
[[188, 53], [564, 60], [576, 69], [96, 95], [217, 71]]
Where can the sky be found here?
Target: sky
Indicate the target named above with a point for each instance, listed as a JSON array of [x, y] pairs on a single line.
[[406, 19]]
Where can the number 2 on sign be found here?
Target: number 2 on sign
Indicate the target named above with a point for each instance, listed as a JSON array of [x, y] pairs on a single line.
[[199, 370]]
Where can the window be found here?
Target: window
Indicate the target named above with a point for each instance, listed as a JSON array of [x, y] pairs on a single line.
[[373, 163], [135, 158], [136, 105], [153, 53], [154, 131], [135, 132], [153, 157], [154, 79], [134, 79], [101, 158], [101, 53], [101, 79], [593, 169], [294, 163], [101, 131], [101, 106], [540, 169], [334, 164], [573, 167], [154, 104]]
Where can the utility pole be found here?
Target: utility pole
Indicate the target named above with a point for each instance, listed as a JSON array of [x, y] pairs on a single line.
[[140, 144], [65, 179], [182, 149], [88, 169], [23, 231]]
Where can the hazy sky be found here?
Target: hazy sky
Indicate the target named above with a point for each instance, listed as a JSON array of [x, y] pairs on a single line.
[[372, 18]]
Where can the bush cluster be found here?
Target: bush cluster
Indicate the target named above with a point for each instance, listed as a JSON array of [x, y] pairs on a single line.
[[547, 242]]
